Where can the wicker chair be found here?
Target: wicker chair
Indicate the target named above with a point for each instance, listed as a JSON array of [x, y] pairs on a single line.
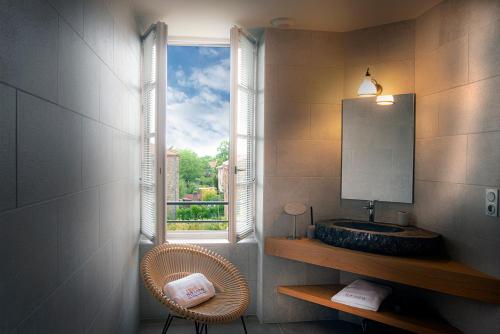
[[169, 262]]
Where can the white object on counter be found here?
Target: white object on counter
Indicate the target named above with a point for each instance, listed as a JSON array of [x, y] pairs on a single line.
[[362, 294], [403, 218], [190, 291], [311, 231]]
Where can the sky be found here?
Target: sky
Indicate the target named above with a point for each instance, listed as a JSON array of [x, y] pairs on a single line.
[[197, 98]]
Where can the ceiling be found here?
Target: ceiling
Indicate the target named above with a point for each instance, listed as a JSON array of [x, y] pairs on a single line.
[[213, 18]]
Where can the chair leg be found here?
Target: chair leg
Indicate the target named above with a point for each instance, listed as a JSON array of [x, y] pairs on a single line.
[[167, 324], [243, 323], [199, 328]]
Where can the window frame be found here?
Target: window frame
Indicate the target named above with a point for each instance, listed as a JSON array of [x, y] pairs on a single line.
[[204, 236]]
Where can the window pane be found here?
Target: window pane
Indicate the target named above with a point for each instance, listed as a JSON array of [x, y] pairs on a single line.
[[197, 135]]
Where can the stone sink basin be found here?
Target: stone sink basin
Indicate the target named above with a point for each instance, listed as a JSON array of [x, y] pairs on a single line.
[[378, 238]]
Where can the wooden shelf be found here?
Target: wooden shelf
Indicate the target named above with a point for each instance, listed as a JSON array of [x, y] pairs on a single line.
[[322, 294], [440, 275]]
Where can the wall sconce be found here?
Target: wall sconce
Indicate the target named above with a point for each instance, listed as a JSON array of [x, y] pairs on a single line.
[[369, 87], [385, 100]]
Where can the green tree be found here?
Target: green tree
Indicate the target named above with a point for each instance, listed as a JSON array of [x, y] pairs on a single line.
[[222, 152], [191, 167]]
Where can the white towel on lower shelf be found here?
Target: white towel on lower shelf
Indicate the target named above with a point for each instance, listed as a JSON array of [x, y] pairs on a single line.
[[190, 291], [362, 294]]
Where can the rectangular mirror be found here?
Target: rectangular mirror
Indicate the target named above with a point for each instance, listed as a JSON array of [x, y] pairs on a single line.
[[378, 149]]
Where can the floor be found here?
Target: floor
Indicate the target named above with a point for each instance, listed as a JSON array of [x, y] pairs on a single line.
[[180, 326]]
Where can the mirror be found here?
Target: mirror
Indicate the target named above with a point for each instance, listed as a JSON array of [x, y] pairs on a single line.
[[378, 149]]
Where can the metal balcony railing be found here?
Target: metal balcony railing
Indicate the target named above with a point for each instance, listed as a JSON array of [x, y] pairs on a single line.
[[214, 217]]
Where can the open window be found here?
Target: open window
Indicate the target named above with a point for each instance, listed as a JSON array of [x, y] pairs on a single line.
[[198, 165]]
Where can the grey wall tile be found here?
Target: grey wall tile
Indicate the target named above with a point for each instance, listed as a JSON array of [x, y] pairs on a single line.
[[443, 68], [427, 116], [484, 50], [107, 321], [289, 47], [98, 29], [326, 122], [427, 31], [78, 74], [308, 158], [396, 41], [438, 206], [97, 282], [456, 111], [29, 243], [110, 97], [326, 85], [483, 159], [7, 148], [324, 197], [483, 12], [62, 313], [28, 46], [362, 47], [483, 103], [79, 229], [327, 49], [71, 11], [293, 83], [49, 150], [288, 120], [97, 153], [441, 159], [111, 211]]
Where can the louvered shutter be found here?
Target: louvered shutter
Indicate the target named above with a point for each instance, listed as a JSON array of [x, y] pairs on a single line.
[[153, 132], [243, 95]]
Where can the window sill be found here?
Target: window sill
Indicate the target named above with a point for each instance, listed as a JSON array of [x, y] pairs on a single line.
[[198, 241]]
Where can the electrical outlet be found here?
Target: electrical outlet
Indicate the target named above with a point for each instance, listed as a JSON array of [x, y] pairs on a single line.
[[491, 202]]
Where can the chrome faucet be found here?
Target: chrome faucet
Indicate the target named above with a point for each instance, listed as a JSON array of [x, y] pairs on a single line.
[[371, 211]]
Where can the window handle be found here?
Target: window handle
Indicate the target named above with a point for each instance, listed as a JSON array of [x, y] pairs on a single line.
[[236, 169]]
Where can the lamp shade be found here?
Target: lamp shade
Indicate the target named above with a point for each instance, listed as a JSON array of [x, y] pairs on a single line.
[[367, 87], [385, 100]]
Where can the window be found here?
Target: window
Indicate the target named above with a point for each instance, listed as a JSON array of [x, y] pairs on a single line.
[[198, 139], [198, 165]]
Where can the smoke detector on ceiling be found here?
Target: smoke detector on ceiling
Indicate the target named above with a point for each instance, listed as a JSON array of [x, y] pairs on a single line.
[[282, 22]]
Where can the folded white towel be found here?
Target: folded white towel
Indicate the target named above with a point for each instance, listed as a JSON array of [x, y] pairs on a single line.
[[190, 291], [363, 294]]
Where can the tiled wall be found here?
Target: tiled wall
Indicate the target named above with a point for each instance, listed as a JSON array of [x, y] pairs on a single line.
[[457, 52], [304, 84], [69, 163], [450, 58]]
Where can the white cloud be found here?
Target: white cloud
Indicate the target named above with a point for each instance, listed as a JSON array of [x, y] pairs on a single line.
[[200, 122], [175, 96], [214, 77], [209, 52]]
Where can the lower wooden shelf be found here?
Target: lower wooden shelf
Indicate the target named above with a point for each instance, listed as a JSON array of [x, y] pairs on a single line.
[[441, 275], [322, 294]]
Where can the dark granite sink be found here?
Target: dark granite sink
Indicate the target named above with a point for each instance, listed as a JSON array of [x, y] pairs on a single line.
[[378, 237], [364, 226]]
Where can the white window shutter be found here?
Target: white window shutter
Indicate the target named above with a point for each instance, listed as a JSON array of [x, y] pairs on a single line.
[[243, 104], [154, 89]]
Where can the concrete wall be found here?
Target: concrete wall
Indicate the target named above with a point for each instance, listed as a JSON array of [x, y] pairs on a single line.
[[69, 164]]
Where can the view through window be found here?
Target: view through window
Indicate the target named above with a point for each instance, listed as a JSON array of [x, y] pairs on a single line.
[[197, 137]]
